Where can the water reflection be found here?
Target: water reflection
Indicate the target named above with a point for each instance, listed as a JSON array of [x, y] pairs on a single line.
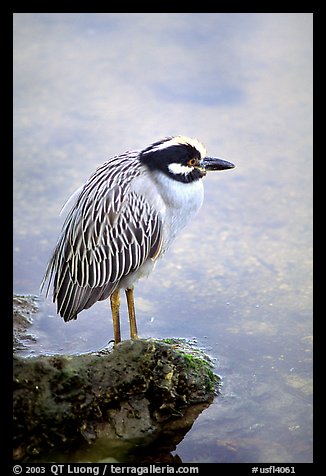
[[88, 86], [141, 451]]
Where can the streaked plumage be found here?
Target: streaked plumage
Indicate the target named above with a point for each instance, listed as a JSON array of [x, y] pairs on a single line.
[[123, 219]]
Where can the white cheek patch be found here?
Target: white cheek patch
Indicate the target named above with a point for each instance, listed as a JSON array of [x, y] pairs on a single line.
[[180, 169]]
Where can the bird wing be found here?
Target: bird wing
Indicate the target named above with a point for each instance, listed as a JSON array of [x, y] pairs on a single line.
[[109, 233]]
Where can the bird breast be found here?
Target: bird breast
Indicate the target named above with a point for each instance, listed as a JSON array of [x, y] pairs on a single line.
[[175, 202]]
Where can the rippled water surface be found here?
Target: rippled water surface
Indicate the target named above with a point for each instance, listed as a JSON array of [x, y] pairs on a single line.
[[238, 279]]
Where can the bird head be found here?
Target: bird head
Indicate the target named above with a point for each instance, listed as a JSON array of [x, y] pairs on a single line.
[[181, 158]]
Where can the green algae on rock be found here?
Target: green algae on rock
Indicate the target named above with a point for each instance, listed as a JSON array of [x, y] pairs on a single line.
[[131, 394]]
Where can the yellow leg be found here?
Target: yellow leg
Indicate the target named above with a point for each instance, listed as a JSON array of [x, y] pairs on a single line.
[[132, 315], [115, 306]]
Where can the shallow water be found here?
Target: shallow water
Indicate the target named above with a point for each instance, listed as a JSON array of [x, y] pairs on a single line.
[[239, 278]]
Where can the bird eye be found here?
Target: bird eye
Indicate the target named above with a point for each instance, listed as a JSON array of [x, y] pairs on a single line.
[[192, 162]]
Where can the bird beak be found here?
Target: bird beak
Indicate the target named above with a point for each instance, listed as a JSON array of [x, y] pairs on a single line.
[[213, 163]]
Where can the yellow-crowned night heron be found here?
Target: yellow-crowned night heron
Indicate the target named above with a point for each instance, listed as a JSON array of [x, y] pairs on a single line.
[[123, 219]]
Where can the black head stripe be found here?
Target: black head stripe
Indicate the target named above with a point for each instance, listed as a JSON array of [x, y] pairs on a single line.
[[161, 158], [160, 155]]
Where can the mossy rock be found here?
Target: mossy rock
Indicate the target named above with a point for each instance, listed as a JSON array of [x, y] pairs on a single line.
[[133, 393]]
